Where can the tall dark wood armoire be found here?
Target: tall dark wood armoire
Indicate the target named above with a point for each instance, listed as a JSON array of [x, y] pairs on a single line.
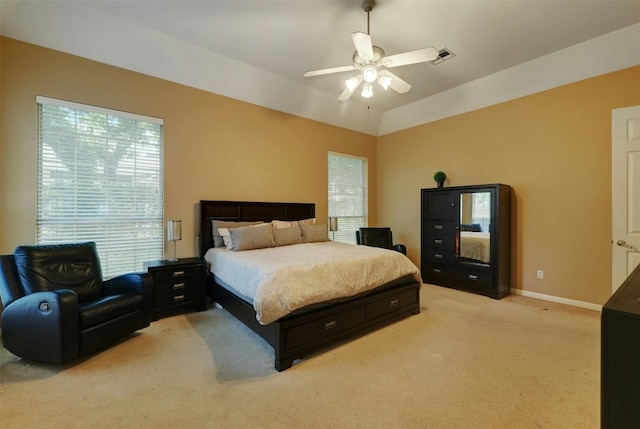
[[466, 238]]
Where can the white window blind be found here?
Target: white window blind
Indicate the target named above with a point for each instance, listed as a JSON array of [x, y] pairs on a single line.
[[100, 179], [348, 195]]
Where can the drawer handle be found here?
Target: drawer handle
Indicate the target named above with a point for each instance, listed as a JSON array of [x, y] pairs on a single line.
[[178, 286], [330, 325], [437, 270], [437, 226], [437, 256], [178, 298], [437, 241], [178, 273], [472, 277], [393, 302]]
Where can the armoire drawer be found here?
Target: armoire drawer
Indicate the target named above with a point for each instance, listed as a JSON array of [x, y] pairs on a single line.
[[445, 229], [437, 272], [440, 256], [475, 277]]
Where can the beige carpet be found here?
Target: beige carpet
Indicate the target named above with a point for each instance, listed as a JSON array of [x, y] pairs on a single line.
[[465, 361]]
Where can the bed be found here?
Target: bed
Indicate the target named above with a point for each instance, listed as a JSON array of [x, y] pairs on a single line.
[[315, 327]]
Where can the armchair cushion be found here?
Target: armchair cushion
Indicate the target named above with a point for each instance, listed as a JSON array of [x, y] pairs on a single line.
[[68, 266], [95, 312]]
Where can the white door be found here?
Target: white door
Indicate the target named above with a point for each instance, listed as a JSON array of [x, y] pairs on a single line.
[[625, 154]]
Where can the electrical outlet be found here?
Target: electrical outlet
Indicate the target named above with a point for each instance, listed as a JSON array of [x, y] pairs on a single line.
[[540, 274]]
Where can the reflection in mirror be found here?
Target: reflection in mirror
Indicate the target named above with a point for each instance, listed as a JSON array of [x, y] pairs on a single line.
[[475, 227]]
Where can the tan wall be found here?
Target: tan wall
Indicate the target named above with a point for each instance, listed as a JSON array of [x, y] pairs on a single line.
[[554, 149], [215, 147]]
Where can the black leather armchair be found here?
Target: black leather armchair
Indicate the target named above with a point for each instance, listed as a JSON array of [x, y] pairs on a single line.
[[379, 237], [57, 308]]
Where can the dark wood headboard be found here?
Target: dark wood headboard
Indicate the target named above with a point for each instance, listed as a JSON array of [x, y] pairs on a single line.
[[247, 211]]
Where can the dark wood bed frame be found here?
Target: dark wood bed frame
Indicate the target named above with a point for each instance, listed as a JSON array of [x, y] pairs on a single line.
[[299, 335]]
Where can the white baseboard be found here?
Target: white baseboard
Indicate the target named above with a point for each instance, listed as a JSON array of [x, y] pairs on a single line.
[[573, 302]]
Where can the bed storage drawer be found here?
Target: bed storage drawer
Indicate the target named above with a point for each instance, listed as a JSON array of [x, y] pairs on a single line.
[[324, 326], [393, 303]]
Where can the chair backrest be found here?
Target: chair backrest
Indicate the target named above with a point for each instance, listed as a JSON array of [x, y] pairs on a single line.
[[60, 266], [376, 237], [10, 287]]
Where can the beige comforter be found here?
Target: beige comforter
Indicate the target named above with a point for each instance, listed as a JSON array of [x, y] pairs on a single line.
[[281, 280]]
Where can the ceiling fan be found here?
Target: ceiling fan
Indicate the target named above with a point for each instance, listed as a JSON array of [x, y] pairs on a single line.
[[372, 63]]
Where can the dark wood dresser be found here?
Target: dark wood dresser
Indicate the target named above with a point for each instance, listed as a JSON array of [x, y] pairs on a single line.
[[466, 238], [178, 286], [620, 357]]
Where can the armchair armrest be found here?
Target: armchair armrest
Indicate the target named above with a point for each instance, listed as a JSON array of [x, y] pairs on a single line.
[[129, 283], [400, 248], [141, 283], [43, 326]]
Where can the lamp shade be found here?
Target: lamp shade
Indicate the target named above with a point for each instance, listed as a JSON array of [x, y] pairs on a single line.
[[333, 224], [174, 230]]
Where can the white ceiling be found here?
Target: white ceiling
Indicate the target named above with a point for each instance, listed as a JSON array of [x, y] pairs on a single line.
[[258, 50]]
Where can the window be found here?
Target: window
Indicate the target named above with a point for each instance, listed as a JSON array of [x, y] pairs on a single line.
[[348, 201], [100, 179]]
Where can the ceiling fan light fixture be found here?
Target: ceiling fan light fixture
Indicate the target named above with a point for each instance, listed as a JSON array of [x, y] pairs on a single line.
[[367, 90], [369, 73], [372, 63], [353, 83], [384, 80]]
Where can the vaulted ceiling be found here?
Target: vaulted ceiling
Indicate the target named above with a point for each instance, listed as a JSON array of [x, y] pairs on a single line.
[[258, 50]]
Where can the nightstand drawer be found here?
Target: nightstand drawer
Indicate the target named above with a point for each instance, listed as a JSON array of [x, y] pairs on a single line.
[[166, 298], [177, 284], [176, 274]]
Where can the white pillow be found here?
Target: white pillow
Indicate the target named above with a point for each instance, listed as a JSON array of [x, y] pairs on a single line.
[[226, 237]]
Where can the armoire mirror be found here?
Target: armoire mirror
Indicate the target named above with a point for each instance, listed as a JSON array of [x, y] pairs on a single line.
[[475, 227]]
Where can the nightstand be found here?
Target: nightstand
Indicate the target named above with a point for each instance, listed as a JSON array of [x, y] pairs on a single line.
[[178, 286]]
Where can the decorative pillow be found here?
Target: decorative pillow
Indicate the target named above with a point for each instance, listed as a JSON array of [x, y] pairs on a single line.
[[251, 237], [287, 236], [310, 221], [314, 233], [277, 224], [215, 224]]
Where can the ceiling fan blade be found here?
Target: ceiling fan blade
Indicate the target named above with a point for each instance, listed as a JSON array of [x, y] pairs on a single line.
[[412, 57], [362, 42], [328, 71], [346, 94], [397, 84]]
